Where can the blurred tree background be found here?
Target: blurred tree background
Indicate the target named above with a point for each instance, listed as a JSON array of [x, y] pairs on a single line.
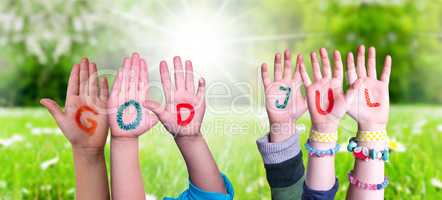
[[40, 40]]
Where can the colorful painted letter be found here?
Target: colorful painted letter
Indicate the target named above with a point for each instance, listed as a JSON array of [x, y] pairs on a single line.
[[137, 120], [287, 97], [179, 119], [331, 102], [369, 103], [90, 130]]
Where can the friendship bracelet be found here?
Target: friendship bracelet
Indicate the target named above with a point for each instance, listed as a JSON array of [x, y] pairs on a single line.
[[364, 153], [367, 186], [321, 153], [370, 136], [323, 137]]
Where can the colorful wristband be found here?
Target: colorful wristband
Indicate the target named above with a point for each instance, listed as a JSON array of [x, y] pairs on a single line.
[[371, 136], [316, 136], [321, 153], [367, 186], [364, 153]]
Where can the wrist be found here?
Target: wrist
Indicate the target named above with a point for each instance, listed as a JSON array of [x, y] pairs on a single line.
[[325, 128], [90, 154], [189, 140], [371, 126], [124, 140], [281, 131]]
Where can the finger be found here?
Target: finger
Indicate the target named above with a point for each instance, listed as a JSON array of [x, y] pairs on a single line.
[[84, 77], [189, 77], [385, 77], [104, 89], [118, 82], [278, 67], [201, 89], [144, 78], [126, 75], [73, 84], [352, 91], [54, 109], [265, 75], [372, 62], [326, 68], [287, 65], [297, 74], [93, 82], [303, 72], [165, 81], [179, 73], [134, 74], [351, 70], [153, 106], [315, 65], [338, 71], [360, 62]]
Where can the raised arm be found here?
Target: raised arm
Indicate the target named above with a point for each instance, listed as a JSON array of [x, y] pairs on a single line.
[[84, 123], [280, 147], [370, 109], [128, 120], [182, 116], [327, 104]]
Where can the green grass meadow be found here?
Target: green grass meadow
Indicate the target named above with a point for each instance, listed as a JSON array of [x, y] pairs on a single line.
[[26, 174]]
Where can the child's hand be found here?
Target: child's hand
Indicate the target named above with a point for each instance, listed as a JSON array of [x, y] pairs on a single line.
[[284, 101], [371, 106], [326, 100], [128, 118], [184, 110], [84, 120]]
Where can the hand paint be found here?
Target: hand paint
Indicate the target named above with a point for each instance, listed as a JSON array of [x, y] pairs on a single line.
[[179, 119], [136, 122], [331, 102], [287, 97], [90, 130], [368, 101]]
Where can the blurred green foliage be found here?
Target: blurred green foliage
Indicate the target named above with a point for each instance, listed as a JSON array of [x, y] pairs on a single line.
[[40, 40], [410, 32]]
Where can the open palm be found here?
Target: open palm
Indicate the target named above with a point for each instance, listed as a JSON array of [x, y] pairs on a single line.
[[128, 118], [284, 101], [182, 97], [326, 100], [84, 120], [371, 104]]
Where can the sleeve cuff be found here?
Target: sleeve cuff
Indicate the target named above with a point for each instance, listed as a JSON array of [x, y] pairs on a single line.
[[194, 192], [273, 153]]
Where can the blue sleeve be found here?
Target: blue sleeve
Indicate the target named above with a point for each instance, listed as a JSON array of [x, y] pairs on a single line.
[[310, 194], [195, 193]]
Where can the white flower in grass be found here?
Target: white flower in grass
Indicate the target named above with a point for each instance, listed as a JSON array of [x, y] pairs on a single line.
[[3, 184], [150, 197], [46, 164], [46, 187], [439, 128], [396, 146], [25, 191], [70, 191], [10, 141], [436, 183]]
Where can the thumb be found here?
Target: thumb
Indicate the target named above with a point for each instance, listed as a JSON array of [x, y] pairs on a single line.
[[53, 108], [352, 91], [153, 106]]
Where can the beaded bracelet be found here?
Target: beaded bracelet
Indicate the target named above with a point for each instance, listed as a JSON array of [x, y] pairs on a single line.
[[321, 153], [367, 186], [323, 137], [370, 136], [364, 153]]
